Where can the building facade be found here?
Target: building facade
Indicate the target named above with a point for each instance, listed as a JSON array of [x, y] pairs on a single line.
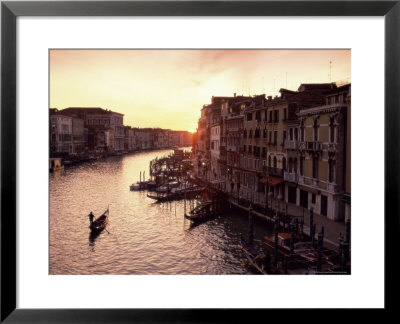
[[290, 149], [61, 139]]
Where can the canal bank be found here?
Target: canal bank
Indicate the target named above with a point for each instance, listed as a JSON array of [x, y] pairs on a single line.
[[332, 230], [287, 211]]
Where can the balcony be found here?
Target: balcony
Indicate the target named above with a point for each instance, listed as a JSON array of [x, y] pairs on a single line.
[[290, 176], [231, 148], [291, 145], [333, 187], [310, 146], [233, 129]]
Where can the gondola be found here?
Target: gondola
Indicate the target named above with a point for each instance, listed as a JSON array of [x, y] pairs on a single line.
[[201, 213], [100, 223], [256, 259]]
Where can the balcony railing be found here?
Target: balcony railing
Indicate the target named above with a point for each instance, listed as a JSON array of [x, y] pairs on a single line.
[[233, 129], [231, 148], [310, 146], [290, 176], [333, 187], [291, 145]]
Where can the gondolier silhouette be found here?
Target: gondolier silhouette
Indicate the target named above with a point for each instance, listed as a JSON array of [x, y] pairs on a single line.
[[91, 217]]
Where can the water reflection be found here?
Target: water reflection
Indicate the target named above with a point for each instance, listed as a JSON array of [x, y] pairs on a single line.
[[93, 236]]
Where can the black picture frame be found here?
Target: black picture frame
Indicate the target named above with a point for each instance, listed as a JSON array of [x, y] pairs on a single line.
[[10, 10]]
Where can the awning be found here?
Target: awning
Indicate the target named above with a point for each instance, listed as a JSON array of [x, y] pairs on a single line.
[[272, 181]]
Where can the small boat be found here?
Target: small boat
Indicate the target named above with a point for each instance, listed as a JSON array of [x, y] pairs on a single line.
[[255, 259], [138, 185], [56, 164], [100, 223], [134, 187], [283, 242], [151, 186], [162, 196], [201, 213]]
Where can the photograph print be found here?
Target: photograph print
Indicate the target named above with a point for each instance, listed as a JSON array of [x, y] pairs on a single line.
[[211, 161]]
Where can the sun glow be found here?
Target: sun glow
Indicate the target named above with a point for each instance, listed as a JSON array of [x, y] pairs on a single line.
[[167, 88]]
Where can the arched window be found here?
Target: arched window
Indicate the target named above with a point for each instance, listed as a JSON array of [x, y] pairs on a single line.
[[269, 161], [245, 133], [275, 162], [284, 163], [250, 133]]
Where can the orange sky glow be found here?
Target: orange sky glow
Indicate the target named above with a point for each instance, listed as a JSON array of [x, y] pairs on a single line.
[[167, 88]]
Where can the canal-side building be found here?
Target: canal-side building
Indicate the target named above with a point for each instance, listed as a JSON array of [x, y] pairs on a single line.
[[231, 130], [282, 131], [203, 143], [100, 139], [324, 156], [211, 115], [244, 134], [78, 136], [289, 149], [145, 138], [215, 138], [162, 138], [130, 139], [96, 116], [60, 128]]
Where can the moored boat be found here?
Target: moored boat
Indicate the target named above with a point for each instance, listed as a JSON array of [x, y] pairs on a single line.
[[201, 213], [56, 164], [283, 242], [256, 259]]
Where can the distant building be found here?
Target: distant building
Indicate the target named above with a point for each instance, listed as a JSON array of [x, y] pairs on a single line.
[[130, 139], [78, 136], [144, 138], [95, 116], [61, 140], [101, 139]]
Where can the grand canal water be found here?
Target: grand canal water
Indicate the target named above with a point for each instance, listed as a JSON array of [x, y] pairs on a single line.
[[143, 237]]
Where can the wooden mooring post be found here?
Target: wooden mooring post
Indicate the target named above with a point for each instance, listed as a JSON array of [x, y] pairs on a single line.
[[319, 249], [251, 226]]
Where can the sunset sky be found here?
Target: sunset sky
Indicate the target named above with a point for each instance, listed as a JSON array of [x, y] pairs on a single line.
[[167, 88]]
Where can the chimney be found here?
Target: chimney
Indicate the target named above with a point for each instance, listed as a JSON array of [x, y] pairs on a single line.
[[234, 95], [269, 97]]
